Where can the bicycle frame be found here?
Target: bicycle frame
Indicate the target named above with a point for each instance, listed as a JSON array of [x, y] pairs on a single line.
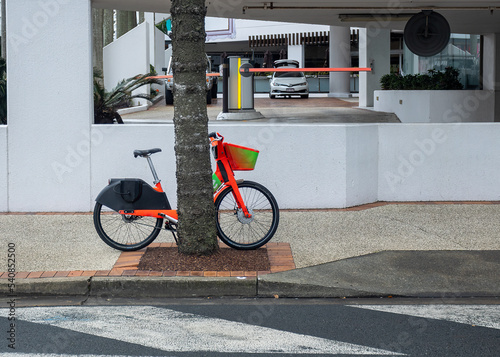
[[224, 173]]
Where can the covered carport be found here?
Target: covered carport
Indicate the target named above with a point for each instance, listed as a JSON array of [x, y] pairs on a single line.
[[53, 158]]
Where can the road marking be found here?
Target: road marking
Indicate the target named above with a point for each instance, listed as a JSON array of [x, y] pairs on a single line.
[[171, 330], [478, 315], [15, 354]]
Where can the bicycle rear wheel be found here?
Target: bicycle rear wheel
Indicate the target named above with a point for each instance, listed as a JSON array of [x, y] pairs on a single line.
[[239, 232], [124, 232]]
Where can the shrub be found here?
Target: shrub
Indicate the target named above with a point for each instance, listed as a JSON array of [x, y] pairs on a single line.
[[433, 80]]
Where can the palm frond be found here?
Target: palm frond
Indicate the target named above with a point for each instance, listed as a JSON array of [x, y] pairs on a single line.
[[106, 104]]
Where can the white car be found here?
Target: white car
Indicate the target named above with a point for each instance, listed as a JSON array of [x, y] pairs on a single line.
[[288, 83]]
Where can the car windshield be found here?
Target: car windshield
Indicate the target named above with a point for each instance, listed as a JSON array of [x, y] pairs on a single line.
[[288, 74]]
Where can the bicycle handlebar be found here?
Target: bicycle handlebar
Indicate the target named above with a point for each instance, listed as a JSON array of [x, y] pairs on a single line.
[[215, 136]]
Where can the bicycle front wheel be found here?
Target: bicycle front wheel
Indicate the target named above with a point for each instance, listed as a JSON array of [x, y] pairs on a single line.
[[240, 232], [125, 232]]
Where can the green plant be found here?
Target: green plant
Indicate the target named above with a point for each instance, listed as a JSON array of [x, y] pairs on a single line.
[[433, 80], [3, 91], [106, 104]]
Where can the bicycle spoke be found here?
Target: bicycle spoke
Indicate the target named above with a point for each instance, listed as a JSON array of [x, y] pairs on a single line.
[[125, 232], [247, 232]]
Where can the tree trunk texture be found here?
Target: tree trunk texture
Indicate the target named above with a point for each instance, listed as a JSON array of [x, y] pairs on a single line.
[[195, 205], [4, 30], [97, 33], [132, 20], [108, 26], [121, 23]]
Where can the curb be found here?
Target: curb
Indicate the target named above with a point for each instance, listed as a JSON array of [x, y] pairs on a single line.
[[269, 289], [200, 287], [133, 287], [172, 287], [77, 286]]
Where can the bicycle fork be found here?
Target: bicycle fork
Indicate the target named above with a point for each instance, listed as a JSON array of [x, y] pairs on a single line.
[[225, 174]]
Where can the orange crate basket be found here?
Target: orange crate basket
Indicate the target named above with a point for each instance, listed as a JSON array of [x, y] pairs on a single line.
[[241, 158]]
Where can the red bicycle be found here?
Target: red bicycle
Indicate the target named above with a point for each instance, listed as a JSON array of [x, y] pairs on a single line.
[[129, 213]]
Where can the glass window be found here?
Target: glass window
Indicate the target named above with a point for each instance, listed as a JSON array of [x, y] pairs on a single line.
[[463, 53], [289, 74]]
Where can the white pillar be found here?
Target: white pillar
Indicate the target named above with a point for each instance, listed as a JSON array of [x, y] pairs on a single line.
[[374, 51], [340, 56], [296, 52], [50, 104], [149, 17], [491, 69]]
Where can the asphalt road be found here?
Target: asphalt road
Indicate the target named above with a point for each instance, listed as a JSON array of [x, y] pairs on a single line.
[[256, 327]]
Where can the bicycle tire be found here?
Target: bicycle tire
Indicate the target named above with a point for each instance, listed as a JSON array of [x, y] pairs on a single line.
[[240, 232], [123, 232]]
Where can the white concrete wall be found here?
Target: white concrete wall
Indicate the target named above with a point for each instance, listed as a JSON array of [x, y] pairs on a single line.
[[246, 28], [362, 159], [437, 106], [296, 52], [297, 176], [374, 51], [422, 162], [159, 56], [50, 104], [127, 56], [3, 169], [305, 166]]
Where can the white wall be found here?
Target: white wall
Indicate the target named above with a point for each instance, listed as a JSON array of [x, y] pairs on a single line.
[[362, 159], [340, 166], [421, 162], [3, 169], [49, 55], [296, 52], [298, 177], [159, 56], [112, 155], [437, 106], [127, 56], [246, 28], [305, 166]]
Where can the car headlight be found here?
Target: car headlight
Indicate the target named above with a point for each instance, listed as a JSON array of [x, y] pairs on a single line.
[[302, 84], [277, 84]]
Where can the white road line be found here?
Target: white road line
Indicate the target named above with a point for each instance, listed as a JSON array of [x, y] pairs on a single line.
[[15, 354], [170, 330], [477, 315]]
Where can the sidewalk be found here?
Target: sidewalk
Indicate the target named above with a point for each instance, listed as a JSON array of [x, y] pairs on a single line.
[[409, 249]]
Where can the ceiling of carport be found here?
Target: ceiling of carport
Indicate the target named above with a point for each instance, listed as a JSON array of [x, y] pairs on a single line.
[[476, 17]]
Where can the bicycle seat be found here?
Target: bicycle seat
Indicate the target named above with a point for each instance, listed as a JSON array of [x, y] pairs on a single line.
[[145, 153]]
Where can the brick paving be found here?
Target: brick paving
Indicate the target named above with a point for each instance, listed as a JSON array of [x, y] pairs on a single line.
[[279, 254]]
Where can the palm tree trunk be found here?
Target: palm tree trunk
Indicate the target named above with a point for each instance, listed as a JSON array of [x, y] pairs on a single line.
[[121, 23], [132, 20], [197, 231], [108, 27], [97, 32], [4, 30]]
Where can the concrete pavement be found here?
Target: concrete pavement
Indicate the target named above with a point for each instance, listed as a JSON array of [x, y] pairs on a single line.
[[317, 109], [419, 249]]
